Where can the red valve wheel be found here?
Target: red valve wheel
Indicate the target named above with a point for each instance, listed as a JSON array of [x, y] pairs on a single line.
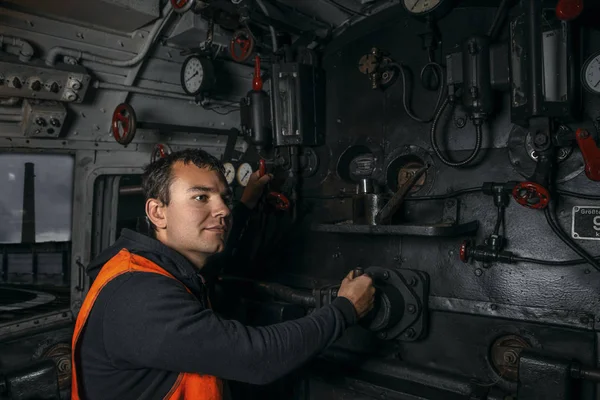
[[124, 123], [241, 45], [160, 151], [568, 10], [531, 195], [590, 152], [181, 6], [279, 201], [463, 252]]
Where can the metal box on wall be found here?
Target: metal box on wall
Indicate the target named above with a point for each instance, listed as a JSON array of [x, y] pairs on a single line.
[[298, 104]]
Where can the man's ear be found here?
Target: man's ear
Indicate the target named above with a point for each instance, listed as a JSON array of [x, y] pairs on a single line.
[[155, 210]]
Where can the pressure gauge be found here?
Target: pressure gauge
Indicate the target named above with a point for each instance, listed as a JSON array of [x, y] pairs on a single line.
[[229, 172], [590, 74], [421, 8], [243, 174], [197, 75]]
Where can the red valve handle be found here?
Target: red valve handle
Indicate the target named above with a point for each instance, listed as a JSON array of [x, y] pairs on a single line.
[[568, 10], [160, 151], [179, 4], [590, 153], [279, 201], [243, 41], [262, 168], [531, 195], [124, 123], [257, 82], [462, 254]]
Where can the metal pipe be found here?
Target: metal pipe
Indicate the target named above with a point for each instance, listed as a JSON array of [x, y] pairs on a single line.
[[58, 51], [398, 371], [133, 89], [25, 49], [130, 190], [273, 33], [9, 101], [11, 118]]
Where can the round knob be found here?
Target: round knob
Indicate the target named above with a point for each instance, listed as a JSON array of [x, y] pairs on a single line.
[[40, 121], [16, 82], [54, 122], [36, 86], [75, 84]]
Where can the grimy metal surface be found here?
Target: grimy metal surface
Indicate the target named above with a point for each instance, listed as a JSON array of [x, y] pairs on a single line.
[[554, 309]]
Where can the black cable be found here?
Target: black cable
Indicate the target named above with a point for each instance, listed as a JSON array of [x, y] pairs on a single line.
[[499, 220], [400, 68], [556, 228], [552, 263], [436, 148], [577, 195], [445, 196]]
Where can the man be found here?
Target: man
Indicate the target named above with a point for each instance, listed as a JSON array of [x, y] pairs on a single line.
[[146, 330]]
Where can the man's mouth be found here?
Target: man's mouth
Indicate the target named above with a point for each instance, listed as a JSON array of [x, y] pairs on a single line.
[[217, 228]]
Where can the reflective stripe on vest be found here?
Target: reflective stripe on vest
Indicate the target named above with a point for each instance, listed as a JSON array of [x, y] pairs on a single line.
[[188, 385]]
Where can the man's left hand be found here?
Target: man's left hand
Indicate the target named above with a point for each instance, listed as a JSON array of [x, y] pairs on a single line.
[[254, 189]]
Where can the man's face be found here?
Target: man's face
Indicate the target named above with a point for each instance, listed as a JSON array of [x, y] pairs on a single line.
[[197, 217]]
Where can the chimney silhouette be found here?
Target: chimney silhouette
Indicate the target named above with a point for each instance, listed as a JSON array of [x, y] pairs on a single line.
[[28, 230]]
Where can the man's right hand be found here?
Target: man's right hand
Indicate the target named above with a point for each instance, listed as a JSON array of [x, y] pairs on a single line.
[[359, 291]]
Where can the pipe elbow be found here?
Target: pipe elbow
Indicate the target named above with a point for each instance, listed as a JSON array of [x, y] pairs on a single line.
[[26, 52]]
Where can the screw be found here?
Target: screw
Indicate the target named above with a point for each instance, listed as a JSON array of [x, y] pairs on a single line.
[[411, 308], [478, 272], [460, 122], [541, 139], [493, 307], [410, 333]]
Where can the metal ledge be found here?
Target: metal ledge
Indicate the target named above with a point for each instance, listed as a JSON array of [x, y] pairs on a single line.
[[447, 230]]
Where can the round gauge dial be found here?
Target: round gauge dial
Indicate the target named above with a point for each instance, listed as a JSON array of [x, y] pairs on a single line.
[[229, 172], [196, 75], [590, 74], [421, 8], [243, 174]]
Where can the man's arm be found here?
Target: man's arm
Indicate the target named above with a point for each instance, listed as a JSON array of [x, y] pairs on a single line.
[[153, 322]]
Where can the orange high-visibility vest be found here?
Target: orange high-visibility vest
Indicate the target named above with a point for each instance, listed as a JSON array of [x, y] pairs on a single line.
[[188, 385]]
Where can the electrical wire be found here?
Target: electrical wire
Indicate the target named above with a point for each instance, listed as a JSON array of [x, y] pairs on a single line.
[[551, 263], [400, 68], [436, 148], [500, 220], [550, 214]]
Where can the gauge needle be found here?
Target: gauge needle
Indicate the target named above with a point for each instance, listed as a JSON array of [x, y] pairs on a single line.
[[188, 79], [244, 177], [597, 83], [414, 5]]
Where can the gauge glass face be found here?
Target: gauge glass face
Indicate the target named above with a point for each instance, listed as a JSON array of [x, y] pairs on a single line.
[[193, 75], [229, 172], [420, 6], [591, 75], [243, 174]]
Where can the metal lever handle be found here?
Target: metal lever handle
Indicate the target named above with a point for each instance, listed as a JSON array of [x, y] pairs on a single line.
[[590, 153], [357, 272]]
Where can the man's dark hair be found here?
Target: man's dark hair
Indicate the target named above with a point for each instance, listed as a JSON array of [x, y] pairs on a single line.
[[157, 177]]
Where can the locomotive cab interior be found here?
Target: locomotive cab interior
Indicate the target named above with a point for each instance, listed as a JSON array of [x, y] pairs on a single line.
[[450, 149]]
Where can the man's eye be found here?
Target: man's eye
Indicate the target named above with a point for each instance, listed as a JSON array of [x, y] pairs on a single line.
[[202, 197]]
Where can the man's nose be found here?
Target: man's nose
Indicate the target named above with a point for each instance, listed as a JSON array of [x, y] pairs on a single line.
[[221, 209]]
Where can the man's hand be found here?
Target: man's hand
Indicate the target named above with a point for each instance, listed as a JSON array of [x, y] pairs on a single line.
[[359, 291], [254, 189]]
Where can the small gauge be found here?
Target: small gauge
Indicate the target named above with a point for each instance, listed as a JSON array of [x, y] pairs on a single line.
[[590, 74], [243, 174], [425, 7], [229, 172], [197, 75]]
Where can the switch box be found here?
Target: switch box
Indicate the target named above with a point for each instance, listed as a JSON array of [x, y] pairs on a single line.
[[43, 118], [36, 80]]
